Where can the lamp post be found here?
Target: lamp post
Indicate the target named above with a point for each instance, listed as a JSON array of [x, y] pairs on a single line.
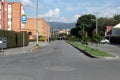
[[37, 23], [96, 25], [24, 20]]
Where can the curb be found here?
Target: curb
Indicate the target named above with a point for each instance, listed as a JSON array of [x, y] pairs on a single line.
[[85, 53], [108, 58], [92, 56], [35, 48]]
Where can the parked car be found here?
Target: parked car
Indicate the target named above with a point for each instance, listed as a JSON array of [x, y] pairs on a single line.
[[104, 41]]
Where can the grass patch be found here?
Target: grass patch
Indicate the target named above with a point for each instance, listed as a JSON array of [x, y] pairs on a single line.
[[91, 51]]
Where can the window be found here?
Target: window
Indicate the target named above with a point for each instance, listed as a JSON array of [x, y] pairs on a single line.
[[9, 5], [0, 6], [9, 27], [9, 9], [117, 31], [9, 19], [0, 17], [30, 33]]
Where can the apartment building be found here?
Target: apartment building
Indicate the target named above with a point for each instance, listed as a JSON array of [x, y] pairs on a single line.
[[13, 12], [43, 28], [12, 15], [1, 13]]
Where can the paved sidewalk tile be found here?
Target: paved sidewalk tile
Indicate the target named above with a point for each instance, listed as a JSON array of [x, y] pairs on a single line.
[[26, 49]]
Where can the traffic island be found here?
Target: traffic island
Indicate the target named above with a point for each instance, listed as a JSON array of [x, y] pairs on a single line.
[[91, 52], [35, 48]]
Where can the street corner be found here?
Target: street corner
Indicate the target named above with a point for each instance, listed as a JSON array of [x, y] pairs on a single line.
[[35, 48]]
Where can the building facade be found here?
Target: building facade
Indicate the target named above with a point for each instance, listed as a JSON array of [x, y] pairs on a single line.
[[2, 14], [43, 28], [116, 30], [12, 15], [13, 12]]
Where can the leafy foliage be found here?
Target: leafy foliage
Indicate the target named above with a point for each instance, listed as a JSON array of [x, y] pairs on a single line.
[[14, 39]]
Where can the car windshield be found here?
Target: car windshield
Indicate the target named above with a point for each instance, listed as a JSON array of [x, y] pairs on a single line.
[[59, 39]]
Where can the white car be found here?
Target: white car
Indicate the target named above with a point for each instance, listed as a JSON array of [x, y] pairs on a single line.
[[104, 41]]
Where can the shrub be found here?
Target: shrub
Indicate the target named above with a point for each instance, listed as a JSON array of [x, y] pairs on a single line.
[[19, 39], [14, 39], [73, 38], [42, 38], [11, 39]]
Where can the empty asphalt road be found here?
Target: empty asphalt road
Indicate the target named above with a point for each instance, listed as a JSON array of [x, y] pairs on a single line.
[[58, 61]]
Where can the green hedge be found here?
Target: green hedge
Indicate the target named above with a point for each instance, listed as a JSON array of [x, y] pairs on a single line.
[[11, 39], [14, 39]]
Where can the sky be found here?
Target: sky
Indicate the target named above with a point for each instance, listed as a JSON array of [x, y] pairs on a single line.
[[69, 10]]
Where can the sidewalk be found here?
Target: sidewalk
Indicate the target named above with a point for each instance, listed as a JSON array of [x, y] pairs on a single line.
[[21, 50]]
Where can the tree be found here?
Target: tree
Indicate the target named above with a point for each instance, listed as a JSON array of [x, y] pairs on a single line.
[[103, 22], [117, 19], [87, 22], [75, 31]]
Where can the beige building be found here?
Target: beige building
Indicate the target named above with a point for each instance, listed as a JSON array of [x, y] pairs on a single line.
[[12, 15], [43, 28], [12, 21], [2, 13]]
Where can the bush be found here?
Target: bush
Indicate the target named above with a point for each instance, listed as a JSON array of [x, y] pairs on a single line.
[[73, 38], [19, 39], [42, 38], [11, 39], [14, 39]]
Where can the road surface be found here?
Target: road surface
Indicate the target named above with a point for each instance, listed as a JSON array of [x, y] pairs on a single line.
[[58, 61]]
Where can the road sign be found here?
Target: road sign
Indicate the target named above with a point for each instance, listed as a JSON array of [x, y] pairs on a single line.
[[24, 18]]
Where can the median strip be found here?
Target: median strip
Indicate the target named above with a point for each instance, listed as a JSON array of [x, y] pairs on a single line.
[[91, 52]]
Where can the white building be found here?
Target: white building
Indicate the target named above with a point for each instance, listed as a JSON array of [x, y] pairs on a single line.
[[116, 30]]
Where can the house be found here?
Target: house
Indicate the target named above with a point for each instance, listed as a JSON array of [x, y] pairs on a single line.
[[108, 31], [116, 30]]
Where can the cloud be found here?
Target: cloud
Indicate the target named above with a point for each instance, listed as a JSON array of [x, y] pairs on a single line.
[[52, 13], [48, 1], [108, 12], [26, 2], [70, 9], [77, 16]]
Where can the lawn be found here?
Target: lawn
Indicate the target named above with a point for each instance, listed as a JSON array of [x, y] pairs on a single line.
[[91, 51]]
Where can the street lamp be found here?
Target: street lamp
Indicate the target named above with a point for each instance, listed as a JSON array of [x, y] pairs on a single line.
[[96, 21], [37, 22], [24, 20], [96, 25]]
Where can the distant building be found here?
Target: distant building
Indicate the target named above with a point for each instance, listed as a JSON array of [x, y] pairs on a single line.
[[2, 13], [62, 34], [66, 31], [43, 28]]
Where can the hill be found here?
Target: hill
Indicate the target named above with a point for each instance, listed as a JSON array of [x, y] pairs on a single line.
[[60, 25]]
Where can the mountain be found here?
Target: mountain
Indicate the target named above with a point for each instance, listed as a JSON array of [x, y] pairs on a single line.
[[60, 25]]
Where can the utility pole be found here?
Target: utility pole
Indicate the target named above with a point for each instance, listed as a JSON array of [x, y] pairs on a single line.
[[37, 23], [96, 25]]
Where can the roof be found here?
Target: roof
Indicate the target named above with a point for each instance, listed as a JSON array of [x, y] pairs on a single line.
[[117, 26]]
